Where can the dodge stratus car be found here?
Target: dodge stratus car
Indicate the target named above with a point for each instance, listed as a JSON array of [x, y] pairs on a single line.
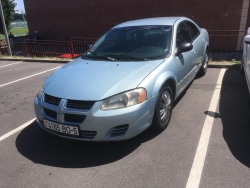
[[125, 82]]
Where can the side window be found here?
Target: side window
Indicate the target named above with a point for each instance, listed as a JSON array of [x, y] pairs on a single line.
[[182, 34], [194, 32]]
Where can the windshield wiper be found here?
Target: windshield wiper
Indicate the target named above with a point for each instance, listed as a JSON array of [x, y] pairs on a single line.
[[133, 57], [109, 57], [123, 56], [112, 59], [101, 57]]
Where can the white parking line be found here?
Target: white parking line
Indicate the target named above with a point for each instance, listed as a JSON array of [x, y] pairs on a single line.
[[29, 77], [10, 64], [16, 130], [199, 160]]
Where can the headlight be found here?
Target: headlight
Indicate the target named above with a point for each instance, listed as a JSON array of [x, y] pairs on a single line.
[[40, 93], [126, 99]]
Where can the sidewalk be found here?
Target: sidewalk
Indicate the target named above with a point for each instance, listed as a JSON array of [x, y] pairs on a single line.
[[45, 60], [223, 64]]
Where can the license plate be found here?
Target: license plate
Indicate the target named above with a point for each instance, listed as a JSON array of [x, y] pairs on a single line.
[[72, 130]]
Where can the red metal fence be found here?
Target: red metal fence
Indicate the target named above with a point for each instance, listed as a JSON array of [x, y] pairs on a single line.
[[224, 45], [79, 44]]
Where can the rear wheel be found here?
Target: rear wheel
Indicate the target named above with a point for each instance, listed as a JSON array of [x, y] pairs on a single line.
[[242, 67], [163, 109], [204, 65]]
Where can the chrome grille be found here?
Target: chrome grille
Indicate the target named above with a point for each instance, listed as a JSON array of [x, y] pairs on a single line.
[[80, 105], [50, 113], [52, 100], [87, 134], [118, 131], [74, 118]]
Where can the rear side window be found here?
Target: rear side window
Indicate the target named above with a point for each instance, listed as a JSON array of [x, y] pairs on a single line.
[[194, 32], [182, 34]]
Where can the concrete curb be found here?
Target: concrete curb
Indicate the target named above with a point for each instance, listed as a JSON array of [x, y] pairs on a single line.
[[218, 65], [36, 60], [210, 65]]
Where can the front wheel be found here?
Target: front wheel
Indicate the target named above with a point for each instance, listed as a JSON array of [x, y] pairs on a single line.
[[163, 109], [203, 69]]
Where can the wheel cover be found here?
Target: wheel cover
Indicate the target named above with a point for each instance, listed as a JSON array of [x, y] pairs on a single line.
[[165, 107]]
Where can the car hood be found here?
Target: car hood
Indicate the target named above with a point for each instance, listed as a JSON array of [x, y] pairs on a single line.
[[97, 80]]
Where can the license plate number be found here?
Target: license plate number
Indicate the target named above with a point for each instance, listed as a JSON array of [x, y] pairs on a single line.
[[72, 130]]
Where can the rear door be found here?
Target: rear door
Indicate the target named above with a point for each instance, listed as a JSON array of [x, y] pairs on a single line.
[[198, 44], [184, 60]]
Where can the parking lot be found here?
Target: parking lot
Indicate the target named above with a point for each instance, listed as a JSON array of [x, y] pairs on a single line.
[[186, 154]]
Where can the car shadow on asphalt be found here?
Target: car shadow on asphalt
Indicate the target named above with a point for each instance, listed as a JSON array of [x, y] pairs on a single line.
[[182, 94], [44, 148], [234, 112]]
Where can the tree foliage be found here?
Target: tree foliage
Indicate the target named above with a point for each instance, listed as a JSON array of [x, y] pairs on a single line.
[[8, 11]]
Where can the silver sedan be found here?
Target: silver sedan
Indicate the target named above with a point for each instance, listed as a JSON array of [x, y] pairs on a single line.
[[126, 81]]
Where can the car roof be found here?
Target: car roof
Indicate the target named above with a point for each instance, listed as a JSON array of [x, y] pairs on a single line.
[[150, 21]]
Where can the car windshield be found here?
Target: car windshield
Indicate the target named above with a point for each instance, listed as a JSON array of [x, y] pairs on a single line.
[[140, 43]]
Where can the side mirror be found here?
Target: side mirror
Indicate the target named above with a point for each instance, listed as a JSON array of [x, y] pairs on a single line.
[[247, 39], [184, 47], [88, 46]]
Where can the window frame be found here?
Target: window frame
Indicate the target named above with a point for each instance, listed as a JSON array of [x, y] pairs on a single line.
[[188, 35], [186, 22]]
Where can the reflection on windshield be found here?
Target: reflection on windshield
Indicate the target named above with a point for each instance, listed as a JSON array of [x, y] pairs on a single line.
[[133, 43]]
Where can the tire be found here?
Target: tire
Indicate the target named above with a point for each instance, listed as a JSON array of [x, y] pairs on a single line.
[[204, 65], [163, 109]]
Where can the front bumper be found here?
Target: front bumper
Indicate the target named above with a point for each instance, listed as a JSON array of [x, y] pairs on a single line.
[[132, 120]]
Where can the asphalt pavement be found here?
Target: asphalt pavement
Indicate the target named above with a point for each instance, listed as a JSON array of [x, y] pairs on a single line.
[[31, 157]]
